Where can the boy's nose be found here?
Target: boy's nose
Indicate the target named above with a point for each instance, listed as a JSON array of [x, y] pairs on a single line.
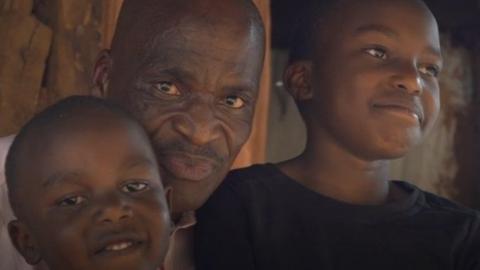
[[407, 78], [113, 210]]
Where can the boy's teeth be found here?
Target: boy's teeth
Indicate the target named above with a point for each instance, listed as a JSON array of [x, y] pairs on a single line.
[[119, 246]]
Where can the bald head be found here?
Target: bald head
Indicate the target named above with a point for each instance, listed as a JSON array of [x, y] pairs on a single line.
[[144, 22]]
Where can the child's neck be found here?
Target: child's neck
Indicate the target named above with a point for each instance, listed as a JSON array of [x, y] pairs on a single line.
[[333, 172]]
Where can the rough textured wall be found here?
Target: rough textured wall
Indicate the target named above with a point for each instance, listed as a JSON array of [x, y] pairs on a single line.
[[24, 46], [47, 49]]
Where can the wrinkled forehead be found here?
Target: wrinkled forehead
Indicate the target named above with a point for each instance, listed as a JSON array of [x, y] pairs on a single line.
[[202, 39]]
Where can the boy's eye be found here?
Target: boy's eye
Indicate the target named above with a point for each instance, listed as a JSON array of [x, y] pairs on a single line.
[[234, 102], [377, 53], [72, 201], [134, 187], [431, 71], [167, 88]]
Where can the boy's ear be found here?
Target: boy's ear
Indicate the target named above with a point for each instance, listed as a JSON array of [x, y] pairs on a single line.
[[101, 74], [169, 199], [297, 80], [23, 241]]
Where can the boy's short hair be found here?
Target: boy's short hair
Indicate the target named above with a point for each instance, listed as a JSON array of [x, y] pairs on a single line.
[[311, 23], [302, 38], [46, 122]]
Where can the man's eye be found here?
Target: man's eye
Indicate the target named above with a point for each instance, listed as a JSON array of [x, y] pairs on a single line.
[[234, 102], [431, 71], [72, 201], [134, 187], [377, 53], [167, 88]]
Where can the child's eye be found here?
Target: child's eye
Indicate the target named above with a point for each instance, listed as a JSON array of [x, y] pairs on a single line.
[[432, 71], [134, 187], [377, 53], [234, 102], [167, 88], [71, 201]]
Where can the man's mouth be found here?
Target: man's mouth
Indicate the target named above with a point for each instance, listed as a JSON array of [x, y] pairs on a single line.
[[186, 166]]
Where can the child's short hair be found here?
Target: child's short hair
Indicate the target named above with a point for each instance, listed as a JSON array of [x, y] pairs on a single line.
[[68, 109], [301, 40]]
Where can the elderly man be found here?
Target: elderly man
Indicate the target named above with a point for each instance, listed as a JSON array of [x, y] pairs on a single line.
[[189, 70]]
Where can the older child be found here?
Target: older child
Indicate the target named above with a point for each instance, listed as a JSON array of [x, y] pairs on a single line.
[[366, 81], [84, 184]]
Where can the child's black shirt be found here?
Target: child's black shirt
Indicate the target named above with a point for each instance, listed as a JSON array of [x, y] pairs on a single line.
[[261, 219]]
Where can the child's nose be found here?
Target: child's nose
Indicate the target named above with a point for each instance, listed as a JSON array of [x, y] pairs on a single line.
[[113, 209]]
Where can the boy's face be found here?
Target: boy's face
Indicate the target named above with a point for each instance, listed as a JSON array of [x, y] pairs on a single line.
[[94, 200], [374, 77]]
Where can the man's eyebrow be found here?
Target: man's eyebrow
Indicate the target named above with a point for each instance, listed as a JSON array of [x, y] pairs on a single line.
[[382, 29], [61, 177], [176, 72]]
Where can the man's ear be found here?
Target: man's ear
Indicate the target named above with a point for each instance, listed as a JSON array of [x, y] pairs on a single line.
[[23, 241], [101, 74], [297, 80]]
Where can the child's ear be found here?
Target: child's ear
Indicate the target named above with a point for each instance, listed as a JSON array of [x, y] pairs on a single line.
[[23, 241], [101, 74], [169, 199], [297, 80]]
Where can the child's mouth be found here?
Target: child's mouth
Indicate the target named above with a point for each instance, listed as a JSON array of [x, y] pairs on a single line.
[[119, 246]]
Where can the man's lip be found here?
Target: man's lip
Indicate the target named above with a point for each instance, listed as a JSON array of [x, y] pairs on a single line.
[[403, 108], [187, 166]]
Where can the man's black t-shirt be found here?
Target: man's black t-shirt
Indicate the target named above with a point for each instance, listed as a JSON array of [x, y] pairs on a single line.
[[261, 219]]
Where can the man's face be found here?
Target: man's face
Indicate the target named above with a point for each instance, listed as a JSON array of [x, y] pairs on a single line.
[[97, 200], [375, 77], [194, 88]]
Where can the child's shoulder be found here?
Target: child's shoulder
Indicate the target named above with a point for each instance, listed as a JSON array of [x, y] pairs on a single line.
[[442, 206], [254, 176], [255, 180]]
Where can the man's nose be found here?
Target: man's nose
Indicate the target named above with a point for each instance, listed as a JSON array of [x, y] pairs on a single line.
[[112, 208], [198, 123], [407, 78]]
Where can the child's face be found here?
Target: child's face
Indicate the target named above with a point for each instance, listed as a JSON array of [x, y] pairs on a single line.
[[97, 200], [375, 77]]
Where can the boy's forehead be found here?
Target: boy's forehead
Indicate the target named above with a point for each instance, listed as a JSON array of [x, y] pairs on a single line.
[[382, 9], [350, 17]]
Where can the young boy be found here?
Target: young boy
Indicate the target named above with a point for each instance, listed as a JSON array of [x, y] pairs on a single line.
[[366, 81], [84, 184]]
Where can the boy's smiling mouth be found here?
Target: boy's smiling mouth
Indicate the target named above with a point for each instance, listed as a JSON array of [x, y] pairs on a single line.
[[405, 109], [118, 244]]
